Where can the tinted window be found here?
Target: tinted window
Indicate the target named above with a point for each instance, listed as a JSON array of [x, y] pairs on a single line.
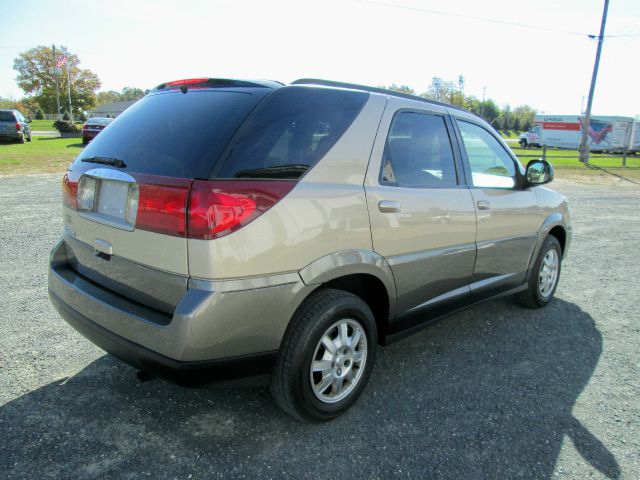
[[174, 134], [491, 165], [418, 152], [7, 117], [290, 132]]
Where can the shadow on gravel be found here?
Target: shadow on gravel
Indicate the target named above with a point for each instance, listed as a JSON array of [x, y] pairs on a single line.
[[487, 393]]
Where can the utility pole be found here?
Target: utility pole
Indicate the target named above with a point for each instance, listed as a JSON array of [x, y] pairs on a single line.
[[482, 108], [584, 147], [54, 70]]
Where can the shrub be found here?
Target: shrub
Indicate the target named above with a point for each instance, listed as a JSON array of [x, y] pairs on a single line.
[[65, 115], [39, 114], [65, 126]]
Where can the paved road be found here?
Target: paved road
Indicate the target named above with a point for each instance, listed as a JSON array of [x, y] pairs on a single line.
[[493, 392]]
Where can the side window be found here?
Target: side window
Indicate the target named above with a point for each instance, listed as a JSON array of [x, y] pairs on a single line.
[[291, 131], [491, 166], [418, 152]]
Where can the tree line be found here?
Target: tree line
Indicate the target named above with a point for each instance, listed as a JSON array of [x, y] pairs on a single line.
[[34, 78], [452, 93]]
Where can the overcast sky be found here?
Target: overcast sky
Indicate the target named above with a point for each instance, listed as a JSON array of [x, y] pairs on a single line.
[[143, 43]]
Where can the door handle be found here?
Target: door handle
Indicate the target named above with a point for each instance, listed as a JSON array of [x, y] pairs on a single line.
[[388, 206], [483, 204]]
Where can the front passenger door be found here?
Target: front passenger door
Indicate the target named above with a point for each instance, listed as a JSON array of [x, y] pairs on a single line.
[[508, 219]]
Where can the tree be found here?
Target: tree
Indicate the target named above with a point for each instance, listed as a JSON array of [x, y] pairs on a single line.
[[400, 89], [440, 90], [489, 111], [34, 78], [516, 124], [127, 94], [506, 118]]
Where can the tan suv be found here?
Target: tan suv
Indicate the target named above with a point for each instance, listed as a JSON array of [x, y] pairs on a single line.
[[220, 228]]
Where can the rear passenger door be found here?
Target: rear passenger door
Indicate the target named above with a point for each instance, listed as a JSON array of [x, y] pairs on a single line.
[[508, 214], [422, 216]]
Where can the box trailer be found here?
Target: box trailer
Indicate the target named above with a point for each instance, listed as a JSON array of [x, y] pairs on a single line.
[[605, 133], [634, 138]]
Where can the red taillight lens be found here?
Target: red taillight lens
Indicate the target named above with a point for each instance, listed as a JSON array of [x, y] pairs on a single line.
[[219, 207], [17, 126], [69, 192], [162, 204], [84, 126]]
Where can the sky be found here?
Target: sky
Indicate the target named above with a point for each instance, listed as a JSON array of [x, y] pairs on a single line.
[[142, 43]]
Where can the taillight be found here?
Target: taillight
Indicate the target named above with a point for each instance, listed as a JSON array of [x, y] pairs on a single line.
[[18, 126], [84, 127], [219, 207], [201, 209], [162, 204], [69, 192]]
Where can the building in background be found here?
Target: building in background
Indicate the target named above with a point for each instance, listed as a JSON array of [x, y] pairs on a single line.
[[110, 109]]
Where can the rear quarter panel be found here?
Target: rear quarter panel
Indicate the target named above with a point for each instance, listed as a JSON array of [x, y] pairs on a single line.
[[324, 213]]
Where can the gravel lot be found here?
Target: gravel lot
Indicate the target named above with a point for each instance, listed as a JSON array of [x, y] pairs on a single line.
[[494, 392]]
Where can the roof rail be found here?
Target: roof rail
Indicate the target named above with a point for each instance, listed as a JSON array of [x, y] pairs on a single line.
[[383, 91]]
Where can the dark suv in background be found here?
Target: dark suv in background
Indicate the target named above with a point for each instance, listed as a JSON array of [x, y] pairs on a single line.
[[14, 126]]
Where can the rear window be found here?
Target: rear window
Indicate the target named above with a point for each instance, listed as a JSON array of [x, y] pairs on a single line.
[[289, 132], [7, 117], [99, 121], [172, 133]]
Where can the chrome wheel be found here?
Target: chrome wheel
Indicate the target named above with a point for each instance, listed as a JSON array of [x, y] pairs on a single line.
[[338, 361], [548, 275]]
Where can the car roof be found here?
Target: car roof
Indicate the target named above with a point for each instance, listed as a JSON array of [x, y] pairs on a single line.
[[383, 91]]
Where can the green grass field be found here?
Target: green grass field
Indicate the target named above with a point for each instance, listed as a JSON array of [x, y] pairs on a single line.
[[46, 125], [567, 158], [42, 155]]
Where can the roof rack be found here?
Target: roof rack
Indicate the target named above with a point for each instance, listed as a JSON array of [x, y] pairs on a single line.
[[383, 91]]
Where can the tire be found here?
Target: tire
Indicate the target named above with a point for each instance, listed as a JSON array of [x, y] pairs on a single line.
[[29, 138], [523, 143], [84, 141], [21, 139], [303, 393], [544, 276]]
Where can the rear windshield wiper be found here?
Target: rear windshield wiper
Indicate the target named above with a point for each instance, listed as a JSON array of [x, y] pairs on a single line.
[[115, 162], [278, 171]]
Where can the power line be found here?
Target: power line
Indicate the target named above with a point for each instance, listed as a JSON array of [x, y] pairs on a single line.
[[490, 20]]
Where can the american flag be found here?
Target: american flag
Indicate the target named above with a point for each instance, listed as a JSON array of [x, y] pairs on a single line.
[[61, 61]]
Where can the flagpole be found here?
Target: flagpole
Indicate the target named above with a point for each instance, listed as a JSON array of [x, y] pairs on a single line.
[[66, 66]]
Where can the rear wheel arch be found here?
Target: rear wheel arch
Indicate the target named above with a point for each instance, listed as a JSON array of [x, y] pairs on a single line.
[[363, 273]]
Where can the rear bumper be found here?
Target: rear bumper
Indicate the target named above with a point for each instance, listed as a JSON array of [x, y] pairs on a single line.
[[190, 373], [219, 330]]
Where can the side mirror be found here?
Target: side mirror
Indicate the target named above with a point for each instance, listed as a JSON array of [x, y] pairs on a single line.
[[539, 172]]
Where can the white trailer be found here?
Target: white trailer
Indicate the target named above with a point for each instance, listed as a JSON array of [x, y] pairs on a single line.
[[606, 133], [634, 138]]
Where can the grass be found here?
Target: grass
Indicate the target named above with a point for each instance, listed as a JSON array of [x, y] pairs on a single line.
[[568, 158], [509, 134], [46, 125], [42, 155]]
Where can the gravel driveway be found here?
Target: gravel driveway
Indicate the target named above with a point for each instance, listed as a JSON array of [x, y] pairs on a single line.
[[494, 392]]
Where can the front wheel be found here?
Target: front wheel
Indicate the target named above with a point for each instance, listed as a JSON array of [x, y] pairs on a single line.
[[326, 356], [544, 276]]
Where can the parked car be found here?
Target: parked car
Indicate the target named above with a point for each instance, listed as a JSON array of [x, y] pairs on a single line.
[[93, 127], [14, 126], [223, 228]]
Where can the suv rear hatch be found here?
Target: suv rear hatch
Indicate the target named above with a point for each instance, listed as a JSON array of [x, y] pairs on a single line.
[[125, 196]]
